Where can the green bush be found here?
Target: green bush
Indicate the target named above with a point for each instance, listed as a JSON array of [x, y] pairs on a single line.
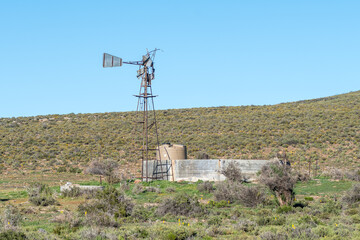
[[352, 196], [284, 209], [107, 208], [61, 169], [12, 235], [41, 195], [180, 205]]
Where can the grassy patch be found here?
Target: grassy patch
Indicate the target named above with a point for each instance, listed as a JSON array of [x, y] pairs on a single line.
[[322, 187]]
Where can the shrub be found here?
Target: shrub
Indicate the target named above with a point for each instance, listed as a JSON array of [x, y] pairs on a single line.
[[246, 225], [12, 235], [284, 209], [75, 170], [137, 189], [353, 175], [11, 217], [334, 173], [181, 204], [331, 207], [309, 198], [233, 173], [61, 169], [108, 206], [352, 196], [41, 195], [280, 180], [170, 190], [273, 236], [207, 187], [72, 192], [152, 189], [106, 168], [140, 213], [250, 196], [303, 177]]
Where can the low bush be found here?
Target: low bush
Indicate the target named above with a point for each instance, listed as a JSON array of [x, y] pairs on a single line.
[[206, 187], [72, 192], [246, 225], [12, 235], [11, 217], [284, 209], [75, 170], [334, 173], [233, 173], [41, 195], [353, 175], [61, 169], [137, 189], [180, 205], [152, 189], [140, 213], [107, 208], [170, 190], [303, 177], [352, 196], [249, 196], [273, 236], [309, 199]]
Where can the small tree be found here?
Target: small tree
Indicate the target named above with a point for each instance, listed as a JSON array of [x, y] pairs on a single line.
[[104, 168], [233, 173], [280, 180]]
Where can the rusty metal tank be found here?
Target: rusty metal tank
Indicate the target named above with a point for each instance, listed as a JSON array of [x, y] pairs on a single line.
[[170, 151]]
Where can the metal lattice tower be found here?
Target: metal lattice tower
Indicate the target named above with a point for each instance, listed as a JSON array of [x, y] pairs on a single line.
[[147, 124]]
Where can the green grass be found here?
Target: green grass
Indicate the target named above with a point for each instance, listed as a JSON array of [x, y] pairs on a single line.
[[322, 187], [13, 195]]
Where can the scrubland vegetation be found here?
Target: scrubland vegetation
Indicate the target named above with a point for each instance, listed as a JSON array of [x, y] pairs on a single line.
[[323, 130], [37, 154], [320, 208]]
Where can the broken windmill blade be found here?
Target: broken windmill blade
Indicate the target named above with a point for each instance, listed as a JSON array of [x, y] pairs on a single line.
[[146, 73]]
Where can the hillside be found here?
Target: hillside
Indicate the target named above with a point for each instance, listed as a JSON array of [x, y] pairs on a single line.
[[325, 129]]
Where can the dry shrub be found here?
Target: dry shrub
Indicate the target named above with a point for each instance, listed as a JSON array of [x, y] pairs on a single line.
[[170, 190], [137, 189], [303, 177], [207, 187], [67, 218], [249, 196], [180, 205], [274, 236], [280, 180], [246, 225], [11, 217], [232, 172], [77, 192], [106, 168], [334, 173], [352, 196], [152, 189], [41, 195], [108, 206], [353, 175]]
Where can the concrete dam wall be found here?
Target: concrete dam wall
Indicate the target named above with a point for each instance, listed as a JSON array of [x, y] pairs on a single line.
[[204, 169]]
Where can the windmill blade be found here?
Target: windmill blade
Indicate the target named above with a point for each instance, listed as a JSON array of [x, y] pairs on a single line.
[[111, 61]]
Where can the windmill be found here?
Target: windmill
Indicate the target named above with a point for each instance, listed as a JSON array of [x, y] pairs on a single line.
[[146, 113]]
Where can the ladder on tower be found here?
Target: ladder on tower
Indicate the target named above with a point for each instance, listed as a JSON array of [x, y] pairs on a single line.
[[161, 169]]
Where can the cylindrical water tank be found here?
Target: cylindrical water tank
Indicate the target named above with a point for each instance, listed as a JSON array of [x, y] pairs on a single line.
[[172, 152]]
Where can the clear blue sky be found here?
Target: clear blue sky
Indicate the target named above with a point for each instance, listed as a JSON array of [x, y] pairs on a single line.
[[215, 53]]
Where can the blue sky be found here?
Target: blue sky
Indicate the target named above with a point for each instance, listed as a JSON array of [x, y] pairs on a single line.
[[215, 53]]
